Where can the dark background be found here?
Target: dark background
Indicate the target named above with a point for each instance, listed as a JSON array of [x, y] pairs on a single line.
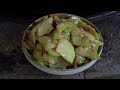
[[32, 9]]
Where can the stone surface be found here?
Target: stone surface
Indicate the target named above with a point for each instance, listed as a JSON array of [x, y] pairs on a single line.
[[14, 65], [30, 72], [109, 65]]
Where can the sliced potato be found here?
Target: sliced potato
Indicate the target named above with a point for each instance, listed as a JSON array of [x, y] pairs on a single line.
[[90, 29], [60, 35], [76, 40], [49, 46], [66, 35], [45, 27], [56, 19], [77, 31], [55, 41], [61, 64], [46, 42], [53, 53], [79, 60], [49, 59], [87, 52], [90, 36], [66, 50], [32, 37], [75, 21], [98, 42], [85, 42], [39, 58], [39, 48], [57, 35], [65, 25]]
